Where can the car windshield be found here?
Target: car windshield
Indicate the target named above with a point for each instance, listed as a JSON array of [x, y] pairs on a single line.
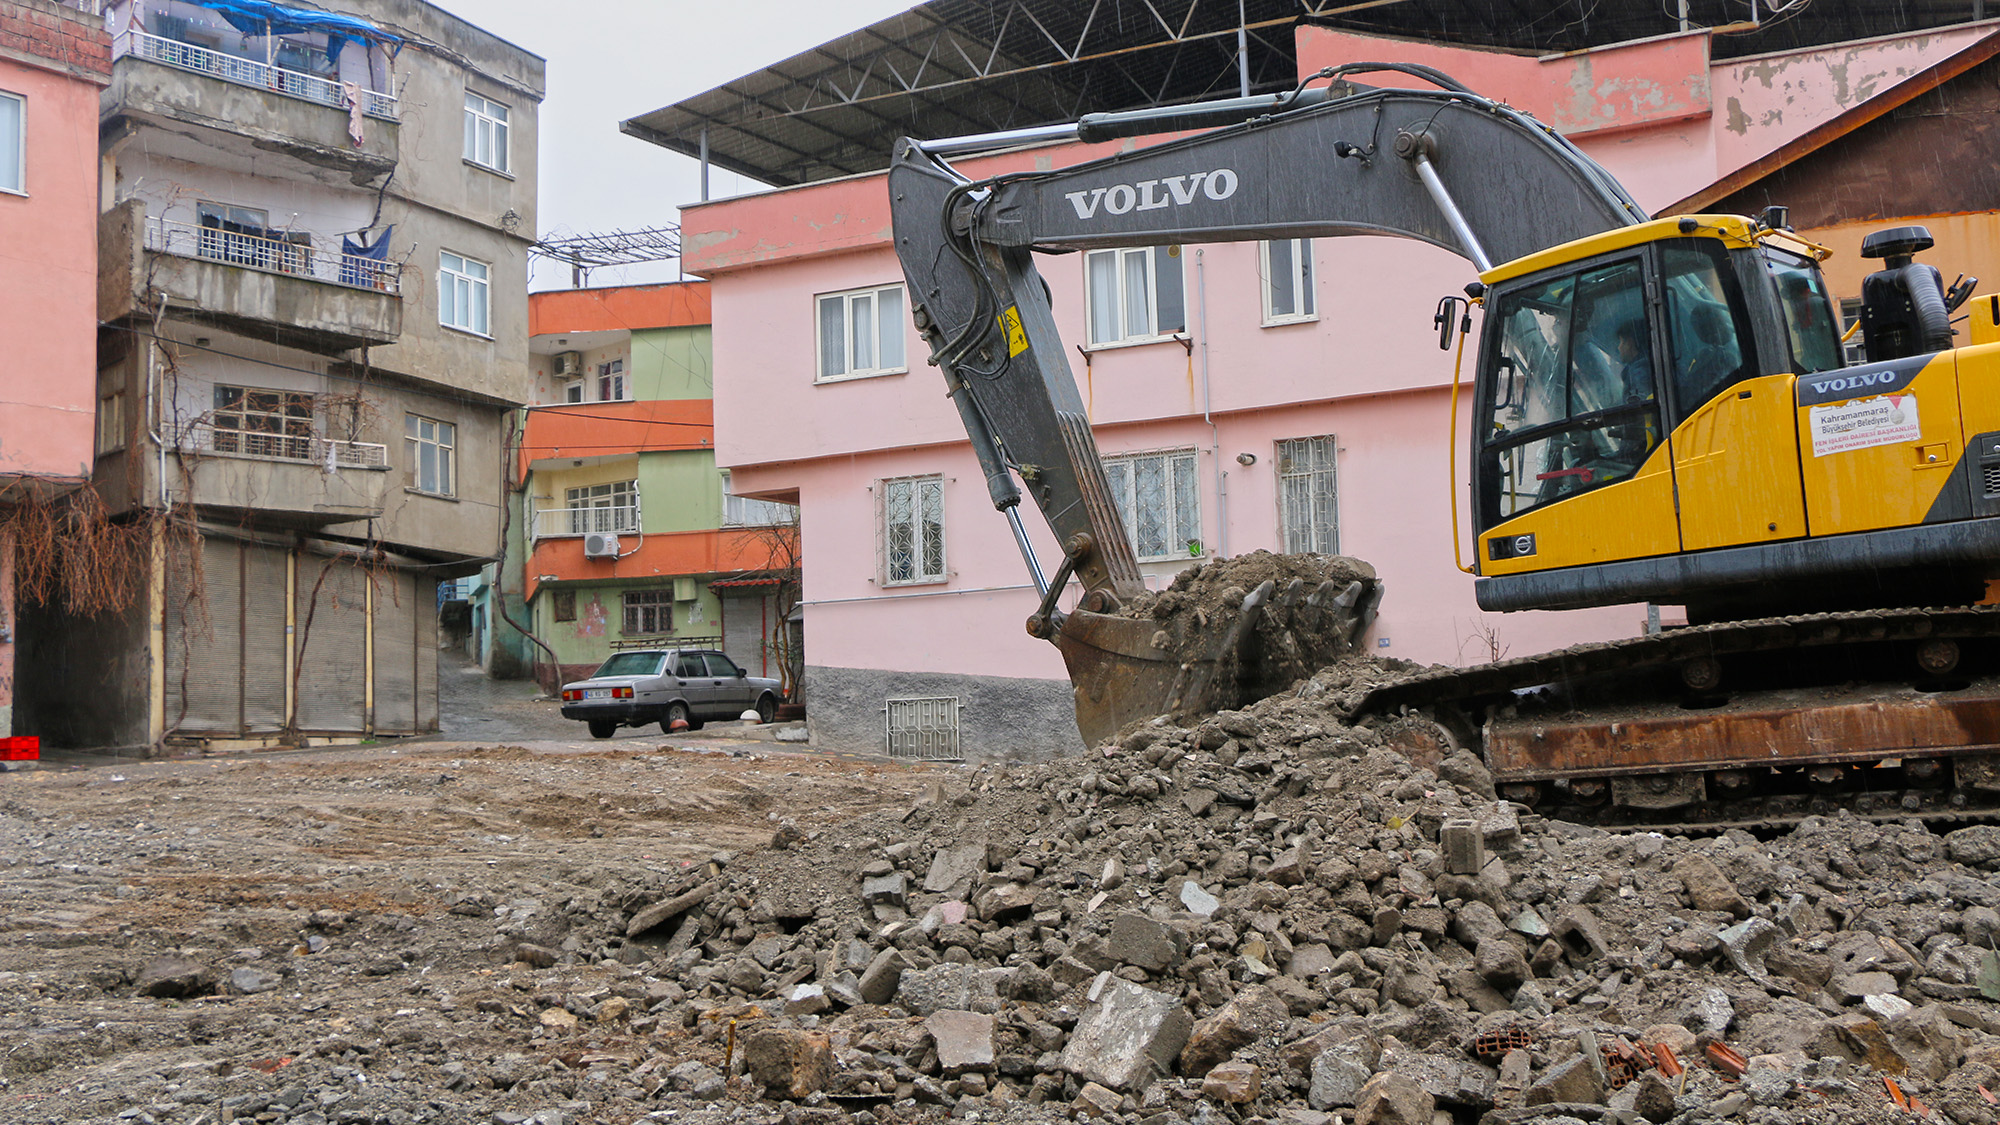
[[631, 664]]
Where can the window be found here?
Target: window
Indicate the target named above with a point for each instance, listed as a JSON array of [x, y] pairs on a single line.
[[563, 604], [690, 666], [262, 423], [1704, 313], [631, 663], [1307, 515], [1135, 294], [111, 422], [860, 333], [1853, 349], [1288, 281], [611, 381], [573, 391], [13, 143], [603, 507], [741, 511], [913, 531], [1156, 494], [430, 445], [648, 612], [1575, 406], [240, 235], [485, 132], [1808, 312], [462, 292], [720, 666]]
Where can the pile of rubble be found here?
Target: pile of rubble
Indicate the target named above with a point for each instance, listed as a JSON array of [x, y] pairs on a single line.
[[1270, 914]]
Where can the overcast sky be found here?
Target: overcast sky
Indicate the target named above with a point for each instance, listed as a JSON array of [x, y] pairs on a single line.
[[613, 59]]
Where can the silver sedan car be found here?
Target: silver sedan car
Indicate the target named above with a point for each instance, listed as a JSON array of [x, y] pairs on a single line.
[[665, 686]]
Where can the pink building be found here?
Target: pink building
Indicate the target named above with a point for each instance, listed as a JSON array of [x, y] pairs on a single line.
[[54, 59], [1283, 396]]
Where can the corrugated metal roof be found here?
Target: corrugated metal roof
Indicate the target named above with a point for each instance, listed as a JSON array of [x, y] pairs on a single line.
[[952, 67]]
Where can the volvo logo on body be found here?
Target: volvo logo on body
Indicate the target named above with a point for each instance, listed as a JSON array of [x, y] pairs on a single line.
[[1151, 195], [1858, 382]]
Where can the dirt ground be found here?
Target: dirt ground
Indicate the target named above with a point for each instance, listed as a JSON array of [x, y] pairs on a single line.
[[327, 932]]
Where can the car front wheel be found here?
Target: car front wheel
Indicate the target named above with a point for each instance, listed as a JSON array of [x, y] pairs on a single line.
[[602, 728], [767, 709]]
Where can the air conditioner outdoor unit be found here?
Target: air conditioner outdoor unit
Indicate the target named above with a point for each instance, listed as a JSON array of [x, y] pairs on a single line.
[[569, 363], [600, 545]]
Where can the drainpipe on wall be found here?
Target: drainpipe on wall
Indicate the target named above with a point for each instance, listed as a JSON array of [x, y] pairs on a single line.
[[1214, 434]]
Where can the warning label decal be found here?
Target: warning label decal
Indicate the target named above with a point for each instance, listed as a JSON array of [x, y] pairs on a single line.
[[1889, 420]]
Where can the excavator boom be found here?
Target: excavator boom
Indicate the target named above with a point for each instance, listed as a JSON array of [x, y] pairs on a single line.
[[1444, 166]]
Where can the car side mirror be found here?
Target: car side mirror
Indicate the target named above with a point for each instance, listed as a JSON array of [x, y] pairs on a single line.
[[742, 673]]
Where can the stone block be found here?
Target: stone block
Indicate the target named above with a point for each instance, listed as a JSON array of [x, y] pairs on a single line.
[[1501, 963], [954, 869], [1256, 1013], [884, 890], [1236, 1083], [1337, 1077], [788, 1063], [1095, 1100], [1136, 939], [1581, 934], [1977, 846], [172, 976], [1708, 888], [1391, 1099], [1463, 846], [1128, 1036], [964, 1040], [1574, 1080], [1006, 902], [878, 983], [1853, 988], [1310, 960], [658, 914], [1198, 901]]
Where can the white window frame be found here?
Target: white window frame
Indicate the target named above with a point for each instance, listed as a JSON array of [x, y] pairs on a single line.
[[1322, 451], [442, 439], [1151, 331], [1301, 276], [873, 339], [572, 390], [464, 285], [1184, 528], [14, 165], [921, 574], [484, 127], [611, 376], [743, 511]]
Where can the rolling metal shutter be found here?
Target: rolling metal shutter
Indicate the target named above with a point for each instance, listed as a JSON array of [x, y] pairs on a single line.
[[204, 639], [743, 637], [427, 653], [264, 597], [395, 655], [332, 640]]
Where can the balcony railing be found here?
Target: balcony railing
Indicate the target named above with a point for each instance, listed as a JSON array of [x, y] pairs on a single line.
[[291, 252], [246, 72], [555, 523], [303, 448]]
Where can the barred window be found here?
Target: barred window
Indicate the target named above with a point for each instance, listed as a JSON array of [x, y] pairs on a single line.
[[263, 423], [1307, 501], [648, 612], [913, 531], [1159, 496], [563, 603]]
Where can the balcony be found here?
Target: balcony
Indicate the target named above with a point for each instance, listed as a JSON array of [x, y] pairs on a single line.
[[255, 109], [294, 288], [290, 478], [564, 523]]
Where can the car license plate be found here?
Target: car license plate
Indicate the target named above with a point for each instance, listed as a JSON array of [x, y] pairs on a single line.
[[597, 693]]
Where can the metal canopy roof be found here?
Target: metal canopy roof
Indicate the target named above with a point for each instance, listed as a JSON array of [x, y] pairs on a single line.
[[952, 67]]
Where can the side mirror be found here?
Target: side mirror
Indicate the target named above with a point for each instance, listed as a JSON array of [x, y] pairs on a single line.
[[742, 673], [1447, 320]]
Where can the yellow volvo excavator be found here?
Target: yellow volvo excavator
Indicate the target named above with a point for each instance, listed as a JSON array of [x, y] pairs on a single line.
[[1661, 411]]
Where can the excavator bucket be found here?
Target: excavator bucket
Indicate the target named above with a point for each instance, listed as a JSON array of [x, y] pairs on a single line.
[[1210, 658]]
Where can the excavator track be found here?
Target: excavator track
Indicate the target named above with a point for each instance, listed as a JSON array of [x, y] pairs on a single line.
[[1888, 714]]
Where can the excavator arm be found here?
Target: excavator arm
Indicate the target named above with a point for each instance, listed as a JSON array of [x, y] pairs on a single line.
[[1444, 166]]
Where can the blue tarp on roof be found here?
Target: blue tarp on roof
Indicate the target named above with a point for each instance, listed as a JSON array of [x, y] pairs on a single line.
[[261, 17]]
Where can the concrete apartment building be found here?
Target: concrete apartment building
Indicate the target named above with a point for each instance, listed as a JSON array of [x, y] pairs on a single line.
[[629, 537], [53, 61], [1285, 396], [312, 285]]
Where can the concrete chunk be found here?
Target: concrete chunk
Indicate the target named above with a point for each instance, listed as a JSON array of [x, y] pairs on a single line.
[[1256, 1013], [1138, 940], [1391, 1099], [964, 1040], [658, 914], [879, 982], [953, 869], [1128, 1036]]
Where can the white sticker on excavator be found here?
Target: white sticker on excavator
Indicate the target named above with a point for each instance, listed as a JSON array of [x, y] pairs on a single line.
[[1848, 426]]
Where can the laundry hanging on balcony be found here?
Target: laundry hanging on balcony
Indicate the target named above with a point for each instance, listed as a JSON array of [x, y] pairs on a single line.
[[261, 17], [359, 258]]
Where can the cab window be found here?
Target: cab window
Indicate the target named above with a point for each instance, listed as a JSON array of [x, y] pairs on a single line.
[[1574, 404], [1705, 337], [1808, 311]]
